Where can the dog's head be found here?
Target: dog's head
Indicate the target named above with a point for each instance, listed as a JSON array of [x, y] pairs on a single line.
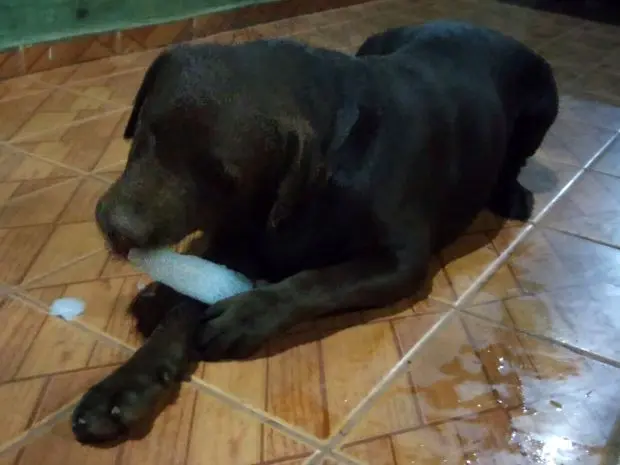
[[208, 146]]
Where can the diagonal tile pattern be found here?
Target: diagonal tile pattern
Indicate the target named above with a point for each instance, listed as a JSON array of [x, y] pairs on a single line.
[[510, 356]]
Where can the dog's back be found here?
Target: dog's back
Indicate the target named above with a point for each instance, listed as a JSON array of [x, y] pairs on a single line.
[[487, 94], [468, 51]]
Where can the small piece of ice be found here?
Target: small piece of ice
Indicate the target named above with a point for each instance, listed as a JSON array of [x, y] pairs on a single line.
[[67, 308]]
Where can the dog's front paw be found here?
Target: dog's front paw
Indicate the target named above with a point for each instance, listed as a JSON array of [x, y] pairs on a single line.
[[119, 404], [236, 328]]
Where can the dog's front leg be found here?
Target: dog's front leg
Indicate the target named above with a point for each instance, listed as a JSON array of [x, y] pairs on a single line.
[[238, 326], [130, 397]]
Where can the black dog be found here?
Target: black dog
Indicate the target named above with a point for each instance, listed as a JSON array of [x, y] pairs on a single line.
[[333, 177]]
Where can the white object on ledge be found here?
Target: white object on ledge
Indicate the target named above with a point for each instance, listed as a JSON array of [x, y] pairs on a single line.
[[67, 308], [192, 276]]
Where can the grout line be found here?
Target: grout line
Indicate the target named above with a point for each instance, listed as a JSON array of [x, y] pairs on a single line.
[[13, 200], [192, 419], [265, 418], [26, 285], [599, 153], [482, 278], [462, 301], [40, 428], [572, 348], [362, 408], [25, 138], [50, 161], [100, 335], [60, 372], [594, 240], [430, 424], [502, 258], [116, 166], [410, 382], [257, 413], [69, 82], [316, 458]]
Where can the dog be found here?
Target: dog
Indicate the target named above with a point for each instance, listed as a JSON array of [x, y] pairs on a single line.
[[334, 178]]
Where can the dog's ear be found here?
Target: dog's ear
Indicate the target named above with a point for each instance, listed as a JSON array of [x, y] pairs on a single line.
[[347, 118], [145, 88], [306, 154], [302, 167]]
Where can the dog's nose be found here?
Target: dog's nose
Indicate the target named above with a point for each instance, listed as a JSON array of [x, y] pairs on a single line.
[[122, 226]]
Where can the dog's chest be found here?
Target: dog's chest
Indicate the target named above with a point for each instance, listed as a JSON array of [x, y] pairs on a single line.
[[327, 231]]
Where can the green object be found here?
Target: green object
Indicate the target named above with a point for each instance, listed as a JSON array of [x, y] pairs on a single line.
[[26, 22]]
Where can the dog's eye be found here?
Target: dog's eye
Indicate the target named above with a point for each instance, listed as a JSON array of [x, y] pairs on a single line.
[[115, 412]]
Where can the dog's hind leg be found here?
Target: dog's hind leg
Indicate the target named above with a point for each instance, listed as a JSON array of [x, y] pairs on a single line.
[[510, 199]]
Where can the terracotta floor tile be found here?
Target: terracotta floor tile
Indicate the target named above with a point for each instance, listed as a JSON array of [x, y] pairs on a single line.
[[377, 452], [599, 82], [118, 64], [559, 405], [548, 260], [17, 167], [119, 88], [46, 368], [545, 178], [89, 145], [293, 381], [590, 111], [470, 255], [20, 86], [573, 142], [19, 248], [405, 308], [544, 370], [591, 209], [447, 375], [221, 435], [609, 162], [506, 362], [434, 445], [43, 206], [53, 219], [73, 252], [355, 360], [480, 439], [46, 110], [195, 429], [106, 303], [582, 316]]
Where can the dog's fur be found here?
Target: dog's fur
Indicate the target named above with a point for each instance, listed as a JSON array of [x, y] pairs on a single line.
[[333, 177]]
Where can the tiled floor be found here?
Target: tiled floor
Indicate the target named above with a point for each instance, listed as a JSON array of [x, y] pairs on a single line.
[[525, 370]]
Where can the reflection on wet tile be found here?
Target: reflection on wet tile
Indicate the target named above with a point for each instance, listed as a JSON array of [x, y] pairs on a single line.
[[546, 405], [591, 209], [581, 316], [590, 111], [548, 260], [609, 163], [355, 361], [573, 142], [447, 375]]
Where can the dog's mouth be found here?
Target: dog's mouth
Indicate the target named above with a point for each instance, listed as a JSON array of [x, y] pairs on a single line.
[[119, 250]]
